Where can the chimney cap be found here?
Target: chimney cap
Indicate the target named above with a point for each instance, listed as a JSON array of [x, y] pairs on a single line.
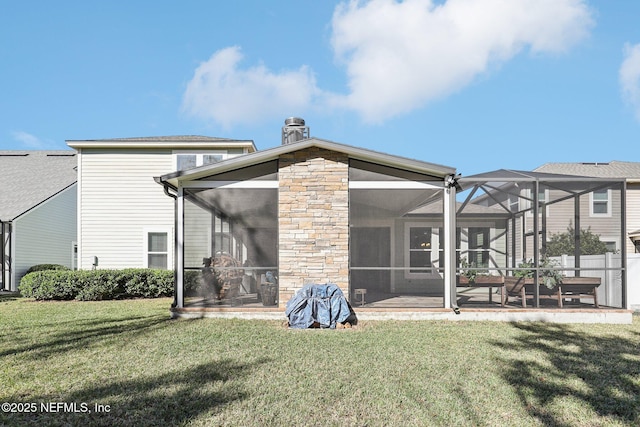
[[294, 121]]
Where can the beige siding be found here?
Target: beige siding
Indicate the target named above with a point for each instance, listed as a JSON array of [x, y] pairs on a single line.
[[119, 202], [633, 213], [45, 234]]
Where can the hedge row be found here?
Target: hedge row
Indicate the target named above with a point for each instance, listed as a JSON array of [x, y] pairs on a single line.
[[94, 285]]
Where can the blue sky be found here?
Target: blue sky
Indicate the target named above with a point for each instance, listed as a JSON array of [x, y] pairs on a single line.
[[474, 84]]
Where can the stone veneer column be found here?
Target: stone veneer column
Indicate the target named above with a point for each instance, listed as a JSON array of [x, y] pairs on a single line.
[[313, 220]]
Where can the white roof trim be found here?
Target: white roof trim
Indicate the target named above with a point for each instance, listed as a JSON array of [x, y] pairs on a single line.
[[161, 144]]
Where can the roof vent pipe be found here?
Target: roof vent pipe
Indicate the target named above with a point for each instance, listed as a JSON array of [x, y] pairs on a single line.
[[294, 130]]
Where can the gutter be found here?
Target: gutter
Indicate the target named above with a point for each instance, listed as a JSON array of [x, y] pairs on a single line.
[[169, 189]]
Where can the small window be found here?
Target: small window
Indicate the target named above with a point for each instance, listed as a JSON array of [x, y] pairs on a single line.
[[514, 202], [420, 249], [543, 199], [208, 159], [600, 203], [189, 160], [157, 247], [186, 161]]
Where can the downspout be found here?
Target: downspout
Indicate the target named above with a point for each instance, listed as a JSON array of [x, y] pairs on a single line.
[[168, 191]]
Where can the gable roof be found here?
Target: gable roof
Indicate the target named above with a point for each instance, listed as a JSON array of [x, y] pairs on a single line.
[[177, 141], [30, 177], [613, 169], [275, 152]]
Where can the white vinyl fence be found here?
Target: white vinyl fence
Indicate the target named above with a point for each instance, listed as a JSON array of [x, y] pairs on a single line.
[[607, 267]]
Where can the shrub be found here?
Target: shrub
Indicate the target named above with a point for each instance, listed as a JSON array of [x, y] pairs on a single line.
[[45, 267], [148, 283], [94, 285], [49, 284]]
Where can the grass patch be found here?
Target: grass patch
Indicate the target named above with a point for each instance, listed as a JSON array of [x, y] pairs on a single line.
[[149, 370]]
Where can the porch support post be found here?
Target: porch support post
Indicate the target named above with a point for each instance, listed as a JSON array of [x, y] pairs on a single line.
[[179, 291], [3, 278], [536, 244], [623, 246], [450, 299], [576, 236]]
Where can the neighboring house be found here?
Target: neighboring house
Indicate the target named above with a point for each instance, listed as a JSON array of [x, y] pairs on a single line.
[[600, 206], [124, 218], [37, 211], [600, 202]]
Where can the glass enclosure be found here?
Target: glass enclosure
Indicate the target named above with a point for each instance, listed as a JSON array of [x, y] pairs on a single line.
[[231, 237]]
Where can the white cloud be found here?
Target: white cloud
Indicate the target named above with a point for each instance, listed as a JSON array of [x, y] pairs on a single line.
[[401, 55], [28, 140], [398, 56], [630, 77], [229, 95]]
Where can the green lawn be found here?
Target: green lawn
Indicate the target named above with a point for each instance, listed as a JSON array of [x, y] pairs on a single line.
[[145, 369]]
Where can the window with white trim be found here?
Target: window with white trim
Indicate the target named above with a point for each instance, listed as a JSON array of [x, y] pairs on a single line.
[[424, 252], [543, 197], [420, 249], [514, 202], [600, 203], [157, 249], [188, 160]]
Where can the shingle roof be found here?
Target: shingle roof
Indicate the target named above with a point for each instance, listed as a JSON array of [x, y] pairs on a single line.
[[30, 177], [613, 169]]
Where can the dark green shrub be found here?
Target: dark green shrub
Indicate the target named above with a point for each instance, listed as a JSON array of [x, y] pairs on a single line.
[[147, 283], [94, 285], [50, 284], [45, 267]]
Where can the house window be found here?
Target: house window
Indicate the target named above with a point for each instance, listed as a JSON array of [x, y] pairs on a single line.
[[600, 203], [184, 161], [479, 246], [157, 250], [611, 246], [420, 249], [543, 198], [514, 202]]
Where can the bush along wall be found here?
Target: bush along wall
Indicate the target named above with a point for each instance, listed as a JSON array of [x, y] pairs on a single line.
[[95, 285]]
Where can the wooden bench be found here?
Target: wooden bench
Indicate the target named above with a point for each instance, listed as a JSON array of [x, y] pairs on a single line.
[[571, 287], [578, 287], [487, 281]]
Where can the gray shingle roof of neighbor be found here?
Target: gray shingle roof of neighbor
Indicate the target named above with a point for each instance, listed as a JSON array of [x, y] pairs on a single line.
[[31, 177], [613, 169]]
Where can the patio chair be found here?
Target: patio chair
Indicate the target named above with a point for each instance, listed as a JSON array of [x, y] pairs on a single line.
[[514, 286]]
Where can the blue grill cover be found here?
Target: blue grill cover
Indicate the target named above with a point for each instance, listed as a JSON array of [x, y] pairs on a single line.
[[324, 304]]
